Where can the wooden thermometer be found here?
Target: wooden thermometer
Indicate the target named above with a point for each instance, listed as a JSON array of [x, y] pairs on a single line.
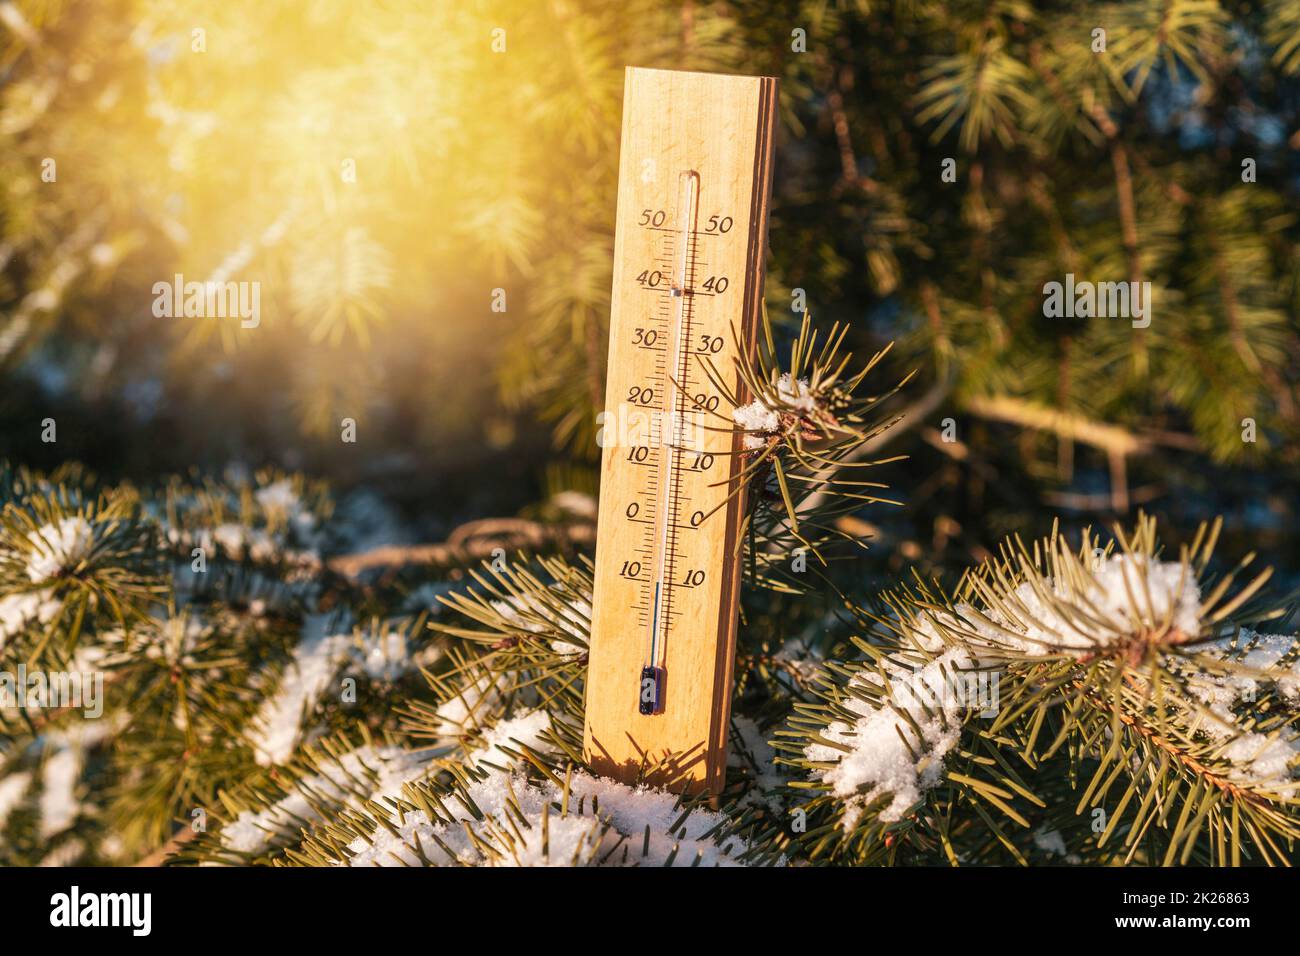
[[695, 175]]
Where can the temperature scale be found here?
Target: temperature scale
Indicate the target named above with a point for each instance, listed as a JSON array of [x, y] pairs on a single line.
[[695, 175]]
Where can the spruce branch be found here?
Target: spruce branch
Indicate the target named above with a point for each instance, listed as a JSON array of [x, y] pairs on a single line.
[[805, 426], [1118, 674]]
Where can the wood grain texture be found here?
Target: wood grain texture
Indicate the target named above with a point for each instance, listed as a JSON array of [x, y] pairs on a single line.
[[721, 129]]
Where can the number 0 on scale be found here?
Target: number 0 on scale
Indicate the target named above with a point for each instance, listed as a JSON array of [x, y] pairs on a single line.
[[695, 175]]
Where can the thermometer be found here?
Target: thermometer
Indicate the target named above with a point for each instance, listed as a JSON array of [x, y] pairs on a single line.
[[694, 181]]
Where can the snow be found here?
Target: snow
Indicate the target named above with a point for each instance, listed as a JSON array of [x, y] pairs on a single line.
[[391, 768], [795, 394], [489, 794], [803, 653], [236, 541], [1049, 841], [384, 655], [1116, 604], [513, 810], [568, 837], [530, 613], [886, 756], [13, 789], [61, 772], [756, 417], [1103, 607], [761, 420], [112, 846], [632, 809], [279, 500], [758, 421], [277, 727], [461, 714], [278, 497], [58, 802], [1261, 760], [18, 610], [1263, 654], [59, 547], [65, 854], [525, 729], [749, 749]]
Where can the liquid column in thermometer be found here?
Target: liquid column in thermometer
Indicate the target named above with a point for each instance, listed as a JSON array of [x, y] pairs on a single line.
[[653, 671]]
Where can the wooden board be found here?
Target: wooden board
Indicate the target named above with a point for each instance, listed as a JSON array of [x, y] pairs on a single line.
[[695, 177]]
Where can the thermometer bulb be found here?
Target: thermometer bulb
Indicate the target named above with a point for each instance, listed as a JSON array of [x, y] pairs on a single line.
[[652, 690]]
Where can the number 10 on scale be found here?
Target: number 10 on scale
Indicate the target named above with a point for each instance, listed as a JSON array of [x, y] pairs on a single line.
[[694, 181]]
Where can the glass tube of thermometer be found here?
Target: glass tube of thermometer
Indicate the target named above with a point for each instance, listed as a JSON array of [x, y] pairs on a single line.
[[670, 435]]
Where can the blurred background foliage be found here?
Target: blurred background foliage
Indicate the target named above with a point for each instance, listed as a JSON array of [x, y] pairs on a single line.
[[384, 169]]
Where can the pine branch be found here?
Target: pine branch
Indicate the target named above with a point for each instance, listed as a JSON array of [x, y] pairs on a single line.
[[1124, 666]]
